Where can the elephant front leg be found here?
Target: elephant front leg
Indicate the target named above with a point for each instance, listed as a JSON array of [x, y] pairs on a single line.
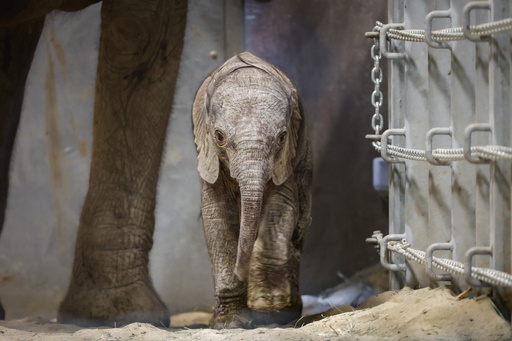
[[221, 227], [273, 286], [140, 49]]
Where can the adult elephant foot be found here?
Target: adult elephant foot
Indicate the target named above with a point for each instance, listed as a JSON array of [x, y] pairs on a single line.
[[114, 307], [110, 282]]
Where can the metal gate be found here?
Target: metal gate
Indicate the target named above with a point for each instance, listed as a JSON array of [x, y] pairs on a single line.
[[447, 143]]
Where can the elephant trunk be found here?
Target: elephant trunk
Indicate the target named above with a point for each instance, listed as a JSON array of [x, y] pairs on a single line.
[[252, 177]]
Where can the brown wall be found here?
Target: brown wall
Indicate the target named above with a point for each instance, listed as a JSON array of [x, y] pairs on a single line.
[[321, 46]]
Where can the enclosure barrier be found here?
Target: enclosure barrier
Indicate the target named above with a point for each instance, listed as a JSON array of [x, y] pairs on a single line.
[[448, 144], [402, 247]]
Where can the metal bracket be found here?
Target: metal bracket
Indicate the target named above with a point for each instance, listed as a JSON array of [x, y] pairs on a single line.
[[429, 253], [466, 13], [477, 250], [428, 28], [383, 41], [428, 144], [384, 249], [373, 137], [467, 140], [384, 144], [381, 244], [371, 35], [375, 239]]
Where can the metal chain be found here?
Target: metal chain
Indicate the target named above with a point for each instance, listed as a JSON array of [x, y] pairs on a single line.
[[415, 35], [377, 97]]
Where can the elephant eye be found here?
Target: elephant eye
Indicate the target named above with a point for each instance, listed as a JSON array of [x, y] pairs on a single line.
[[220, 137], [281, 138]]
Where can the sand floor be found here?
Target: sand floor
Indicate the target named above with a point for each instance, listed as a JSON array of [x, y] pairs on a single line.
[[425, 314]]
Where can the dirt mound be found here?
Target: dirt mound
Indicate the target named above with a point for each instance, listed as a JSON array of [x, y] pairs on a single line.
[[434, 314]]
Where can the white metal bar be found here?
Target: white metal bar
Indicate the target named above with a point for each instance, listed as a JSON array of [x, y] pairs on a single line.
[[416, 125], [482, 51], [396, 120], [463, 114], [440, 177], [500, 112]]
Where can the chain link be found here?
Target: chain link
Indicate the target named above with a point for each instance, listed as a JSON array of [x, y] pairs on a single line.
[[377, 97]]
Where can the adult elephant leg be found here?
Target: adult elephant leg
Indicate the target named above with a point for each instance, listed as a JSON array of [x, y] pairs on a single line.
[[140, 49], [17, 46]]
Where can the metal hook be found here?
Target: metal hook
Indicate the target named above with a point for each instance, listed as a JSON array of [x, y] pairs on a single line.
[[466, 13], [467, 140], [384, 144], [384, 250], [477, 250], [430, 252], [384, 45], [428, 28], [428, 144]]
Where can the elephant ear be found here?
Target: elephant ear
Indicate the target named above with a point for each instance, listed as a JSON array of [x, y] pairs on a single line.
[[283, 166], [207, 159]]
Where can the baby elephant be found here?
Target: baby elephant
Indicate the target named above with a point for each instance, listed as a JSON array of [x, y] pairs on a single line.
[[254, 160]]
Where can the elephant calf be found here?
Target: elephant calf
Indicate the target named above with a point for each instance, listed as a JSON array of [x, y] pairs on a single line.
[[254, 160]]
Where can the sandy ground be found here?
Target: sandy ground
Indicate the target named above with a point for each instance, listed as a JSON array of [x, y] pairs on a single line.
[[425, 314]]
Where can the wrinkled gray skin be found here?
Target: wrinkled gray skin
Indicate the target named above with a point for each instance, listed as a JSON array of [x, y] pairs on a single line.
[[254, 160]]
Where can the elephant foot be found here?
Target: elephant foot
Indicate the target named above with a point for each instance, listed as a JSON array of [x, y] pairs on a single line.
[[248, 319], [266, 299], [268, 288], [86, 306], [281, 317], [223, 319], [274, 305]]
